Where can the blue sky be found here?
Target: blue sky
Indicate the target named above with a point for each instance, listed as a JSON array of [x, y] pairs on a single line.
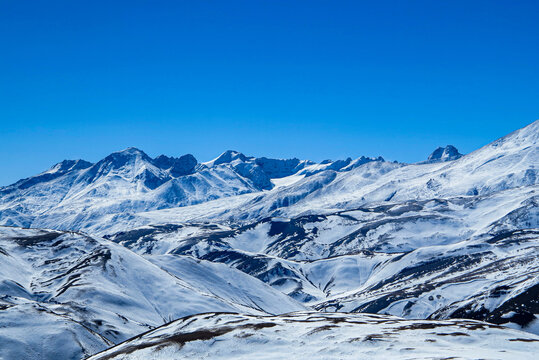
[[311, 79]]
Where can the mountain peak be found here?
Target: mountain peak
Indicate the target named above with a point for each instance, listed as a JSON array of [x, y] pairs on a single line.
[[120, 159], [130, 151], [443, 154], [227, 157], [67, 165]]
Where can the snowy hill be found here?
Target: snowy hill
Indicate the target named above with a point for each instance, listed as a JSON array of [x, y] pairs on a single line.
[[98, 293], [324, 336], [407, 259]]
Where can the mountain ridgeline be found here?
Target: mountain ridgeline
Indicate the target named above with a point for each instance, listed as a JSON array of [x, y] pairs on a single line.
[[130, 181]]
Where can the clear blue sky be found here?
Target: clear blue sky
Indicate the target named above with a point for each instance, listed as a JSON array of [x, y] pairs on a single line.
[[281, 78]]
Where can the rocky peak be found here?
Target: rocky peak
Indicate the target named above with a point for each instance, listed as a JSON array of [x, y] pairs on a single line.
[[443, 154], [68, 165], [184, 165], [121, 158], [229, 156]]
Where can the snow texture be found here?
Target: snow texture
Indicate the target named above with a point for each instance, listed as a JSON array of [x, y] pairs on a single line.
[[324, 336]]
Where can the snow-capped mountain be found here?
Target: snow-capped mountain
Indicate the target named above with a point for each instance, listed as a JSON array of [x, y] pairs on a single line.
[[120, 199], [454, 236], [124, 182], [508, 163], [78, 195], [384, 237]]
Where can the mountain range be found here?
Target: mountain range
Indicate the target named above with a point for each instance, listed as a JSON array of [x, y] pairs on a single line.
[[102, 252]]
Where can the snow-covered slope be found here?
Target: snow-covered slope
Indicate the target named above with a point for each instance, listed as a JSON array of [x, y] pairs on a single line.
[[441, 239], [324, 336], [461, 257], [99, 293]]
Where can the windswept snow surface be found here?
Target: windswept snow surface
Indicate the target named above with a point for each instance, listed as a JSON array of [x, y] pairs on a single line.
[[324, 336]]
